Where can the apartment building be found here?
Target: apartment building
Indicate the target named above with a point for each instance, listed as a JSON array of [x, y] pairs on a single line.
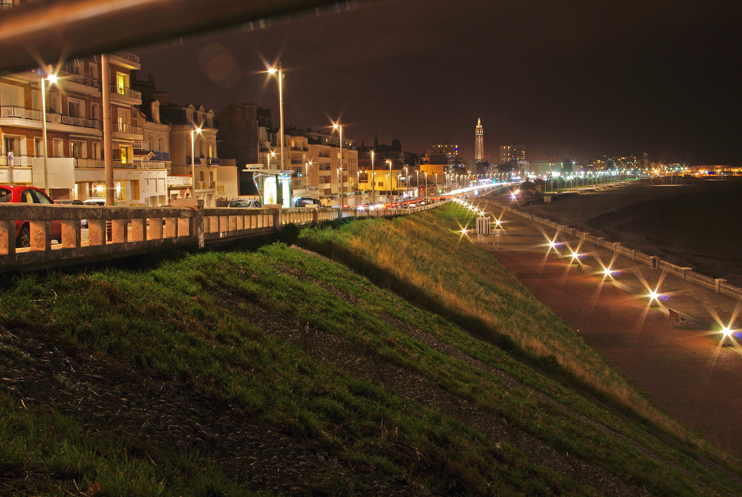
[[73, 167]]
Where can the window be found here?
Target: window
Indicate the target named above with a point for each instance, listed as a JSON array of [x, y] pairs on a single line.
[[149, 143], [36, 99], [159, 145], [95, 111], [75, 108], [38, 147], [200, 175], [55, 103], [124, 119], [57, 148], [12, 144], [122, 83], [93, 71], [124, 154], [77, 150], [211, 149], [201, 148], [96, 151], [11, 96]]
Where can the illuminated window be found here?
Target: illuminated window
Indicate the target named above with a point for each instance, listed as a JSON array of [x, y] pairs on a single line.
[[122, 83]]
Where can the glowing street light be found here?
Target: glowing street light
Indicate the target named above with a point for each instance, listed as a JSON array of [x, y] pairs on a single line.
[[339, 127], [274, 70], [51, 79], [306, 175], [373, 181]]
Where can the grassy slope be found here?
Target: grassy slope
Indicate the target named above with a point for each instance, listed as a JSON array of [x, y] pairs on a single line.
[[182, 319]]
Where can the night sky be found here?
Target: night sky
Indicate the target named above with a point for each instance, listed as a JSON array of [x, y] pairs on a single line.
[[575, 79]]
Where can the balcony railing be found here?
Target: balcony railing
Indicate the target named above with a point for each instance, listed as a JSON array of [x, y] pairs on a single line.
[[127, 128], [129, 56], [127, 92], [13, 112], [213, 161], [18, 160], [77, 78], [205, 185]]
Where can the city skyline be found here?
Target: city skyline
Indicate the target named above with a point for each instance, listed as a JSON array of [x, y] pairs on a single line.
[[575, 80]]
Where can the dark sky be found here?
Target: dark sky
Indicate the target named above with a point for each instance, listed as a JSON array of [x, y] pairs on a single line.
[[571, 78]]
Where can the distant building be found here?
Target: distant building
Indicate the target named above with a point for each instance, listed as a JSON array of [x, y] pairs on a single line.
[[512, 152], [544, 167], [479, 142]]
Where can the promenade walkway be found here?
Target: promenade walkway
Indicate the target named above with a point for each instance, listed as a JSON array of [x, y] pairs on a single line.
[[684, 365]]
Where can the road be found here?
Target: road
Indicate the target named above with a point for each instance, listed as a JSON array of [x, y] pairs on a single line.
[[685, 366]]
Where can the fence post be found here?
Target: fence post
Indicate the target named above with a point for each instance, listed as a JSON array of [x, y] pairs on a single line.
[[719, 281], [655, 262]]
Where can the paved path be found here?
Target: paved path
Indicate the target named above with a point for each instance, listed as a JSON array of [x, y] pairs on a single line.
[[682, 365]]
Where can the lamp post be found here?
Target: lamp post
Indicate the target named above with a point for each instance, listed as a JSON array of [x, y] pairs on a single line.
[[193, 159], [339, 127], [426, 187], [417, 183], [373, 181], [306, 176], [436, 183], [390, 182], [52, 78], [274, 70]]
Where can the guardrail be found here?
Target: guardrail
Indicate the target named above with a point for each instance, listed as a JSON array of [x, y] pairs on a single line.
[[719, 285], [122, 231]]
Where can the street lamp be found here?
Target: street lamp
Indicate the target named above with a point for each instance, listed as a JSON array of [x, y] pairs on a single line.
[[390, 182], [306, 176], [426, 186], [52, 78], [338, 127], [274, 70], [373, 181], [194, 130]]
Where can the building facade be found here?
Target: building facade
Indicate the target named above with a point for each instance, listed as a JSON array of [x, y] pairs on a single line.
[[72, 164], [512, 152]]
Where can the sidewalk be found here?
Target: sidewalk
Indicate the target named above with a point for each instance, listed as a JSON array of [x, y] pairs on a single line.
[[681, 364]]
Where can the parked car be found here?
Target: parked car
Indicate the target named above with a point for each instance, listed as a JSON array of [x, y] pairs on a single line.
[[245, 203], [69, 202], [99, 201], [28, 195], [307, 202]]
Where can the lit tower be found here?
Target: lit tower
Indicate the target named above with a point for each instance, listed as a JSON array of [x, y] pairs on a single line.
[[479, 144]]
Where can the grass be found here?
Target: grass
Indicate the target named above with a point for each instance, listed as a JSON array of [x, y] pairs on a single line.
[[185, 319], [45, 453]]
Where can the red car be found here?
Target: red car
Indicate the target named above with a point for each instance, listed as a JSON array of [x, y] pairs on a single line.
[[27, 195]]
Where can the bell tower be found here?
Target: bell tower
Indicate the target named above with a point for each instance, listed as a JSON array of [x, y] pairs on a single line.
[[479, 142]]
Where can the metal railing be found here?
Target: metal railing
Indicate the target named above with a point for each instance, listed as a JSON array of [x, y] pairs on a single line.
[[79, 79], [127, 92], [14, 112], [719, 285], [129, 56], [126, 128]]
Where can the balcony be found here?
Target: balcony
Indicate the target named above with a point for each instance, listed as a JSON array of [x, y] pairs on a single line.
[[125, 95], [124, 130], [212, 161], [24, 117], [79, 84], [125, 59], [205, 185]]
